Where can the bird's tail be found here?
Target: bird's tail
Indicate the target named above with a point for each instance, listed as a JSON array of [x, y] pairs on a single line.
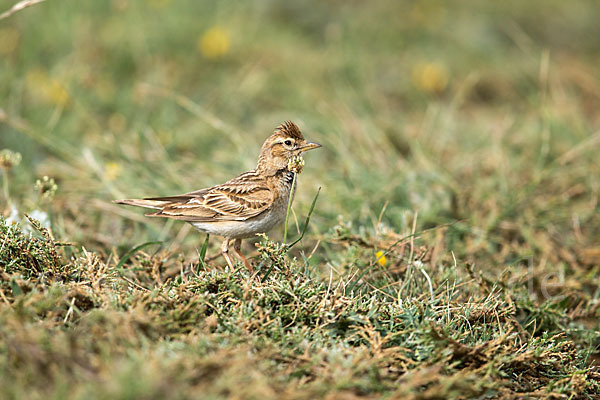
[[146, 203]]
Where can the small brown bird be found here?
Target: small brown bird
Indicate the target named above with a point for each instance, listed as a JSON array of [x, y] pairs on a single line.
[[254, 202]]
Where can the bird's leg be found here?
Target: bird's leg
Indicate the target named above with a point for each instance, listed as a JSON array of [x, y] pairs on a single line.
[[225, 252], [237, 245]]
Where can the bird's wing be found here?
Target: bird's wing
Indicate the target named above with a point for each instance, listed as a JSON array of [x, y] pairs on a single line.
[[239, 199]]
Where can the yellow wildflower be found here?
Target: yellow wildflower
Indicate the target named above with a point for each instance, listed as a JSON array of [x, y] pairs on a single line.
[[214, 43], [381, 260], [113, 170], [46, 88], [430, 77]]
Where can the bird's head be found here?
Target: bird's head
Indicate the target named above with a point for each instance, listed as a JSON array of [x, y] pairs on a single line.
[[282, 148]]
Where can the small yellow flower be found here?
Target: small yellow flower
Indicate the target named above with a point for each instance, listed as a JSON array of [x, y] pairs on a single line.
[[9, 40], [57, 94], [46, 88], [113, 170], [214, 43], [381, 260], [430, 77]]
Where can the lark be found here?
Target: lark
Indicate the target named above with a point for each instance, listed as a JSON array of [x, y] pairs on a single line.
[[254, 202]]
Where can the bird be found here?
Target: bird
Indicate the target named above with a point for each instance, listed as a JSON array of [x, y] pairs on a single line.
[[249, 204]]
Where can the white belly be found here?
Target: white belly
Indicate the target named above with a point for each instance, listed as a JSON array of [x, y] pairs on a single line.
[[249, 228]]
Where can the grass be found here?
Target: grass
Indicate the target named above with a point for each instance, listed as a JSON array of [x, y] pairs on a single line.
[[452, 253]]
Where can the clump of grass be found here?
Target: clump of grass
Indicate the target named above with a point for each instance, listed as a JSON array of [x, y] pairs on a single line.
[[28, 255], [351, 333]]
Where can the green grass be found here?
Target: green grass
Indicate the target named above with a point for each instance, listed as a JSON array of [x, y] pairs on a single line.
[[459, 140]]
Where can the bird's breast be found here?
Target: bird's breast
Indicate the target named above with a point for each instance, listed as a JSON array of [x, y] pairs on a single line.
[[284, 187]]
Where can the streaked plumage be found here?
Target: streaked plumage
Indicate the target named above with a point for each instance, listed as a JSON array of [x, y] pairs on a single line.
[[254, 202]]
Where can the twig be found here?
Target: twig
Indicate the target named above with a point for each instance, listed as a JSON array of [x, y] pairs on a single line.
[[70, 311], [19, 6]]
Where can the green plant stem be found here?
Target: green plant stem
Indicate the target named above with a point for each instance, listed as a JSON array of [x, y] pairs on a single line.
[[312, 208], [289, 207], [202, 255]]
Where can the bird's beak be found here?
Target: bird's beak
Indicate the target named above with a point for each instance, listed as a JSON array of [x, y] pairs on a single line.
[[309, 146]]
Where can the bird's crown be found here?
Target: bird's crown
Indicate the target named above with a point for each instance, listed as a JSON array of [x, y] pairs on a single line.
[[288, 128]]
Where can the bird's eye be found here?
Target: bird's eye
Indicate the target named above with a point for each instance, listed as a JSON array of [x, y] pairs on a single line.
[[288, 142]]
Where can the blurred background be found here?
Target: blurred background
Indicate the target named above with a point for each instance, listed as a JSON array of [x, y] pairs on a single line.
[[485, 113]]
